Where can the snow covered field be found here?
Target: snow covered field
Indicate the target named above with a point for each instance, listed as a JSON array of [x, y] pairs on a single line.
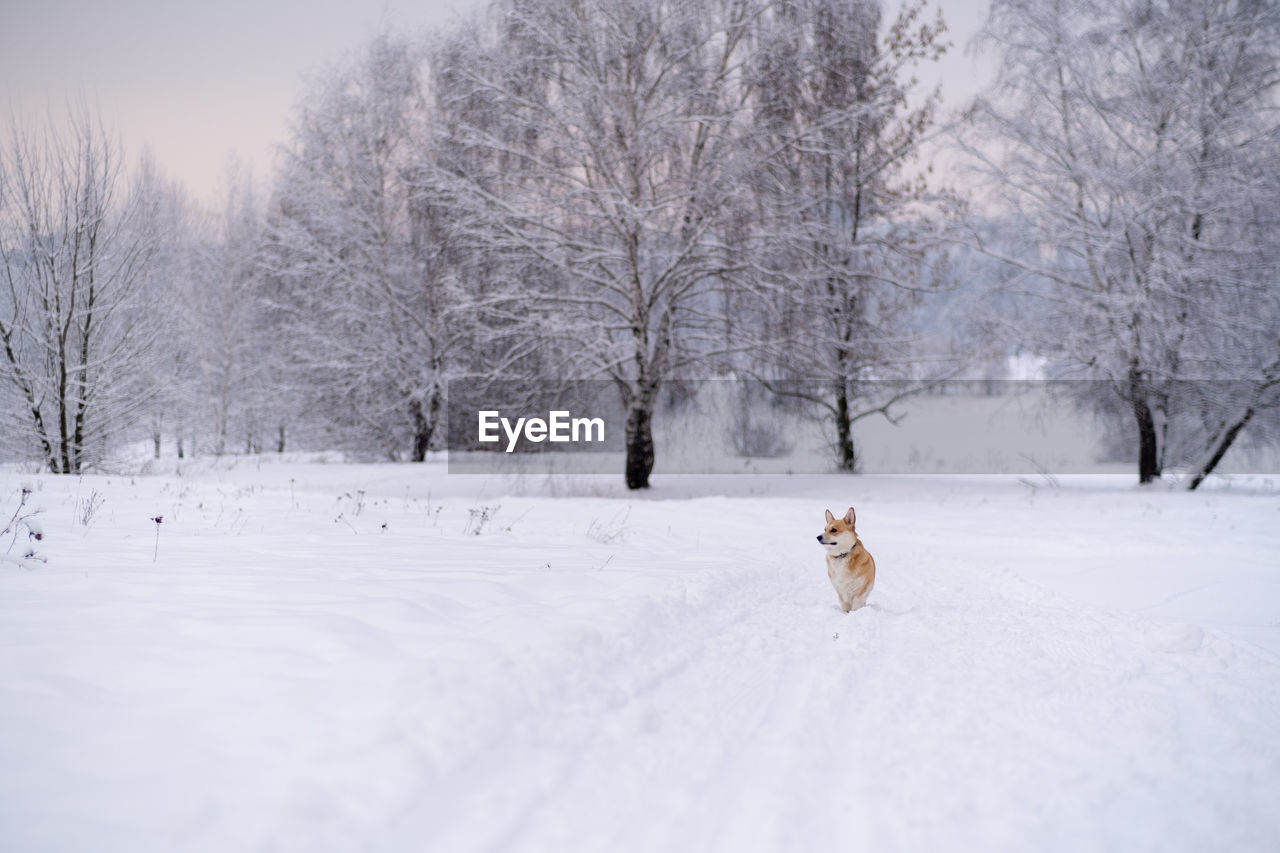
[[331, 657]]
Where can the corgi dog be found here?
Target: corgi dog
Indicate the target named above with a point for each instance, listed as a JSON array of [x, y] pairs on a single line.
[[851, 569]]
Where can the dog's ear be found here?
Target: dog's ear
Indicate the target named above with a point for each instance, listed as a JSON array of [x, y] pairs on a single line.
[[849, 517], [830, 517]]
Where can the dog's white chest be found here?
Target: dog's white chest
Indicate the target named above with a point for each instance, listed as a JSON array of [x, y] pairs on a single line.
[[852, 589], [841, 577]]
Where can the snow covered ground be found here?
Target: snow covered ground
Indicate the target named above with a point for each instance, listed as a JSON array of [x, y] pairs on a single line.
[[331, 657]]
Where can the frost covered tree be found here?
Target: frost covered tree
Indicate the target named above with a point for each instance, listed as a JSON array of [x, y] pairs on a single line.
[[167, 374], [233, 389], [1140, 141], [373, 320], [660, 173], [846, 247], [77, 243], [609, 141]]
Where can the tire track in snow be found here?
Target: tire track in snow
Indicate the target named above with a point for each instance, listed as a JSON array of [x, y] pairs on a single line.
[[754, 659]]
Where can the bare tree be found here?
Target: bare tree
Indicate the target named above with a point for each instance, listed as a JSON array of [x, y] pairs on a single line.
[[1138, 140], [228, 344], [372, 321], [612, 134], [76, 244], [847, 249], [175, 266]]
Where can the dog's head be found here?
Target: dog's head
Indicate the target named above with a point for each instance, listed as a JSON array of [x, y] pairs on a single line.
[[839, 537]]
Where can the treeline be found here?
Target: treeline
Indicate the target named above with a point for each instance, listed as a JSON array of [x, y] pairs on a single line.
[[646, 191]]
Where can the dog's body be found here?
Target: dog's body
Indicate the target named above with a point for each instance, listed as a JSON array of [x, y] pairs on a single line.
[[851, 569]]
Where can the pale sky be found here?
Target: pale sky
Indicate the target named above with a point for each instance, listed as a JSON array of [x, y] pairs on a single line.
[[196, 81]]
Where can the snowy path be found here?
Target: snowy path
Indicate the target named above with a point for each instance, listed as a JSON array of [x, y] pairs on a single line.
[[592, 674], [990, 715]]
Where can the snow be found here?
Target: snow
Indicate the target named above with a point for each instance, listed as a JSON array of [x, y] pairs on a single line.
[[332, 657]]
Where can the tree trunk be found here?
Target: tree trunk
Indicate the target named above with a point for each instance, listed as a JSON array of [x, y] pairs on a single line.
[[1148, 451], [640, 442], [424, 424], [1218, 449], [280, 440], [421, 432], [64, 425], [844, 430]]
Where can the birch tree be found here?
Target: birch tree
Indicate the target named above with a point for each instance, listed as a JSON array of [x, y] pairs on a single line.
[[77, 240], [847, 248], [372, 318], [1140, 141], [167, 375], [229, 341], [613, 134]]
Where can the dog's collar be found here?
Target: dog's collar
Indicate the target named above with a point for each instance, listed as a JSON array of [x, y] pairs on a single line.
[[846, 553]]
